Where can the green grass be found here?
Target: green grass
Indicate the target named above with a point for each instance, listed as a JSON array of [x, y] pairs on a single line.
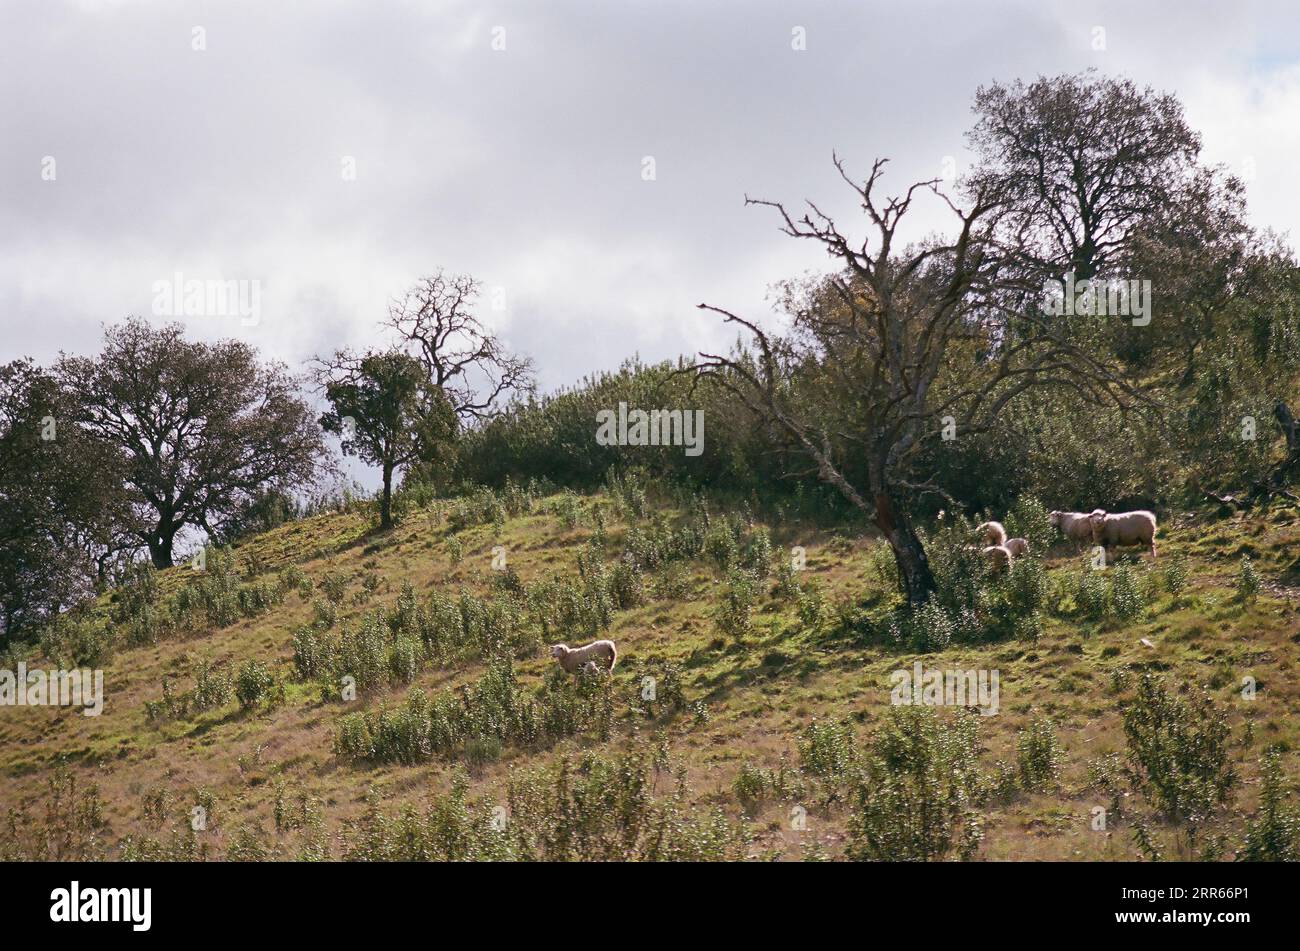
[[748, 695]]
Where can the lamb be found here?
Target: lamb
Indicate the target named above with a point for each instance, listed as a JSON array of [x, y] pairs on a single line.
[[999, 556], [1017, 546], [1124, 528], [571, 659], [993, 532], [1076, 526]]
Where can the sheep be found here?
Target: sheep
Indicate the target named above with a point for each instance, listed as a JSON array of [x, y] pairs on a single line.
[[1124, 528], [999, 557], [1017, 546], [1076, 526], [572, 658], [993, 532]]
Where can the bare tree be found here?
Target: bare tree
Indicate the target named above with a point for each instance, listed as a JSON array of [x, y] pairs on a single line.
[[899, 345], [463, 358]]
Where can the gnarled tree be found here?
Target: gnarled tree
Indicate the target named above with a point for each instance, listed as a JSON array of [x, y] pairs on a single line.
[[203, 428], [435, 321], [902, 346]]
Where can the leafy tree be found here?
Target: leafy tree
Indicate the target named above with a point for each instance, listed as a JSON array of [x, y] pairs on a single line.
[[59, 502], [1082, 161], [202, 428], [388, 412]]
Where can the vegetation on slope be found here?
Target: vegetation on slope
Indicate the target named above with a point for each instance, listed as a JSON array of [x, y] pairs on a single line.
[[325, 691]]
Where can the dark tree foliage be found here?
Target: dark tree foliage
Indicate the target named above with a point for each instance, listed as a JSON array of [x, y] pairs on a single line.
[[60, 502], [1081, 161], [388, 412], [203, 427]]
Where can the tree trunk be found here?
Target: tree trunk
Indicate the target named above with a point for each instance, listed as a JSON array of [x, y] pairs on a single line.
[[160, 550], [386, 504], [913, 566]]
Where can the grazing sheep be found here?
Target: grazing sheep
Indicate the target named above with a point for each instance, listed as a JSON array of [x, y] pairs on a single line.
[[999, 556], [993, 532], [1017, 546], [1076, 526], [1124, 528], [602, 653]]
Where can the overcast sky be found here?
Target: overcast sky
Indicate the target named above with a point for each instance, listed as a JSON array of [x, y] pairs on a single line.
[[524, 166]]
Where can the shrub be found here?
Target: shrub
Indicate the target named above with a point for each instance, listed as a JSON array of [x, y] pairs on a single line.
[[1248, 583], [1177, 752], [1027, 585], [75, 639], [1176, 573], [1038, 755], [914, 802], [732, 615], [924, 629], [568, 508], [599, 809], [1273, 834], [1126, 596], [827, 755], [1091, 594], [334, 586], [353, 740], [674, 583], [812, 606], [213, 685], [137, 600], [757, 557], [882, 566], [626, 587], [253, 683], [1029, 519]]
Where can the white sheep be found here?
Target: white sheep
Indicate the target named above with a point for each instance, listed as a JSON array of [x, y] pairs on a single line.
[[602, 653], [999, 556], [1124, 528], [1076, 526], [993, 532], [1017, 546]]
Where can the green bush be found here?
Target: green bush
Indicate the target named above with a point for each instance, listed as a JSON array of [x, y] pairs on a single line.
[[1176, 573], [1092, 594], [1177, 753], [253, 683], [1038, 755], [1273, 834], [733, 614], [1127, 598], [1248, 583], [915, 800]]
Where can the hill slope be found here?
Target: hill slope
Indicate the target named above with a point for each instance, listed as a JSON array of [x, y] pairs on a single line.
[[749, 740]]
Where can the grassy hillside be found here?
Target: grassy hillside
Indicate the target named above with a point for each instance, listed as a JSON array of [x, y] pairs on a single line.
[[768, 697]]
